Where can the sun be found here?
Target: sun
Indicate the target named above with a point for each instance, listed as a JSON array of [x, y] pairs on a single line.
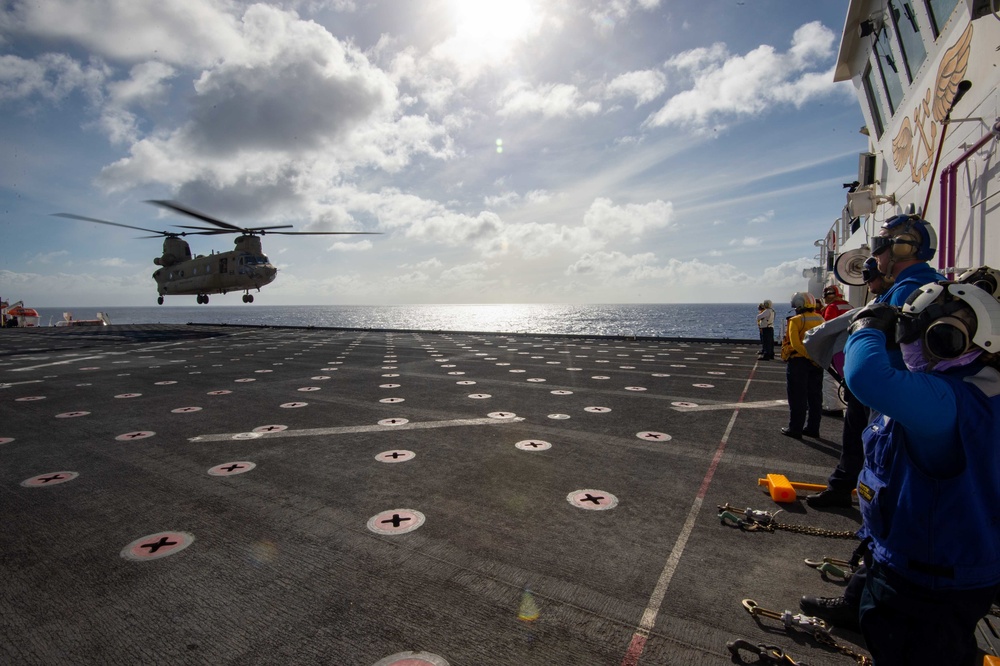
[[489, 29]]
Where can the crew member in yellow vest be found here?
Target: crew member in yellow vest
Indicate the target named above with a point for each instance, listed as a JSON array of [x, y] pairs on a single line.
[[803, 377]]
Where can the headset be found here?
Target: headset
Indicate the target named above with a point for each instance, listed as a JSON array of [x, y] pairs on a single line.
[[901, 226], [939, 315], [984, 277]]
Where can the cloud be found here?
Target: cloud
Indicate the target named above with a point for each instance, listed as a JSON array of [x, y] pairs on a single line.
[[112, 262], [644, 85], [48, 257], [610, 14], [510, 199], [340, 246], [644, 267], [748, 241], [762, 218], [145, 88], [727, 87], [287, 112], [549, 100], [51, 77], [182, 32], [608, 220]]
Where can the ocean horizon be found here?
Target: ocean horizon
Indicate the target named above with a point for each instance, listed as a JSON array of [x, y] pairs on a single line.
[[724, 321]]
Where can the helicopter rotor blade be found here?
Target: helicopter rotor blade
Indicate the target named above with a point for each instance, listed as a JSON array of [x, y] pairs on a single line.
[[71, 216], [184, 210], [226, 231], [327, 233]]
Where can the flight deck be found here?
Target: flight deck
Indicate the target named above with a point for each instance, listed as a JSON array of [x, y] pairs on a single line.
[[219, 494]]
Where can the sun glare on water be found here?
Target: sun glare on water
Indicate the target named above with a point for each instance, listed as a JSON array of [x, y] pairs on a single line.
[[491, 28]]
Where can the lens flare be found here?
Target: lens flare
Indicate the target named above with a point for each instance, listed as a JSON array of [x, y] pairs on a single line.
[[528, 611]]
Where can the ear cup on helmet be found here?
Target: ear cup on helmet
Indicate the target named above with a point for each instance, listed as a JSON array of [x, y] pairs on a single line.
[[919, 236], [946, 338]]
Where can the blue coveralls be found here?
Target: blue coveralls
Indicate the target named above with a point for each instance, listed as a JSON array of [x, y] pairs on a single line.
[[845, 476], [929, 493]]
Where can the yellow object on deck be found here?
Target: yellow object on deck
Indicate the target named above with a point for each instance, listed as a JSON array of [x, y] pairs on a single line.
[[783, 490]]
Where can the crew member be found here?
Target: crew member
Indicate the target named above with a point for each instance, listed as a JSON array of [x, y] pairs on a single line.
[[902, 249], [765, 322], [835, 306], [803, 377], [898, 266], [931, 479]]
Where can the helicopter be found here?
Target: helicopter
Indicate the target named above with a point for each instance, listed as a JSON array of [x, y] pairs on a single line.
[[244, 268]]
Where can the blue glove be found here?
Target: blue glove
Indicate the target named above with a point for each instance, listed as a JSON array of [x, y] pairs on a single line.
[[879, 316]]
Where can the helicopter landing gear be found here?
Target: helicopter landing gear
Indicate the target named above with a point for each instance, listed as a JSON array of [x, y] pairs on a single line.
[[159, 300], [248, 298], [202, 299]]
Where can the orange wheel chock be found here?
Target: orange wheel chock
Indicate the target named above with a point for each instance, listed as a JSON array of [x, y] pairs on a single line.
[[782, 490]]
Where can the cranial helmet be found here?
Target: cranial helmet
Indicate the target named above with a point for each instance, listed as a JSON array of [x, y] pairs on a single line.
[[908, 237], [832, 290], [950, 318], [870, 270], [984, 277], [803, 300]]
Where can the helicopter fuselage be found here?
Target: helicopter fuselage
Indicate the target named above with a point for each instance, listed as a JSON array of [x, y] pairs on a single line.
[[242, 269]]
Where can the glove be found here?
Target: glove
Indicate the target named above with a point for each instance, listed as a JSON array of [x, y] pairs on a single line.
[[879, 316]]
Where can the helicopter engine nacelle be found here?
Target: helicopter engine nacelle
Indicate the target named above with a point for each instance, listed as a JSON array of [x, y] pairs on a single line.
[[175, 251], [249, 244]]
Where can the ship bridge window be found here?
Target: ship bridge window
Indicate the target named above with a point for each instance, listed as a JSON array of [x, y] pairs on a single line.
[[875, 104], [889, 69], [908, 32], [940, 11]]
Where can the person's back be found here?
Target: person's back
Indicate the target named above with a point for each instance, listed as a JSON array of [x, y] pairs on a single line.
[[803, 377]]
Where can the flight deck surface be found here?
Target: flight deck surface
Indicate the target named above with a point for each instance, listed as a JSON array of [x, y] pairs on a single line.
[[217, 494]]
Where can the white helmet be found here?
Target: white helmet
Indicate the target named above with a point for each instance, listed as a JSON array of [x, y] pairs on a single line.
[[949, 318], [803, 300], [983, 277]]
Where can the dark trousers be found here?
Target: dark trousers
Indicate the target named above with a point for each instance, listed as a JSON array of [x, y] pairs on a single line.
[[767, 343], [804, 382], [852, 453], [909, 625]]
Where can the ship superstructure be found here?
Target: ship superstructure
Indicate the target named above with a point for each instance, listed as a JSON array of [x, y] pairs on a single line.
[[925, 73]]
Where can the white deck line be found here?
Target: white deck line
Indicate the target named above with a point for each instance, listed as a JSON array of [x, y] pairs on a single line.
[[648, 621], [346, 430]]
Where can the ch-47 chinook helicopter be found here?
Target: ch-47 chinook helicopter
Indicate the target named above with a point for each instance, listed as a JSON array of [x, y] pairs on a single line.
[[244, 268]]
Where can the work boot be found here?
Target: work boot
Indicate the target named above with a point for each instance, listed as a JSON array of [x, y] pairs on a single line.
[[835, 611], [830, 498]]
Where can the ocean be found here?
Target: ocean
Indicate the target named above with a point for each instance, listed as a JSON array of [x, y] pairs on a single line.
[[717, 320]]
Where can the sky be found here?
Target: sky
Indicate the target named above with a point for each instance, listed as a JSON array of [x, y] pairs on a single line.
[[508, 151]]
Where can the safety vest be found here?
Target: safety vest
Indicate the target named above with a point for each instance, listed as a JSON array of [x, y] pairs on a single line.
[[937, 533]]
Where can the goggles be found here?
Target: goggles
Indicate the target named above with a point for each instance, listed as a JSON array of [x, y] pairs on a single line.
[[882, 243], [870, 270]]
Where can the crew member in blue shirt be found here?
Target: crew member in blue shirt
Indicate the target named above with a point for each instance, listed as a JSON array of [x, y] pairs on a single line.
[[901, 251], [930, 486]]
